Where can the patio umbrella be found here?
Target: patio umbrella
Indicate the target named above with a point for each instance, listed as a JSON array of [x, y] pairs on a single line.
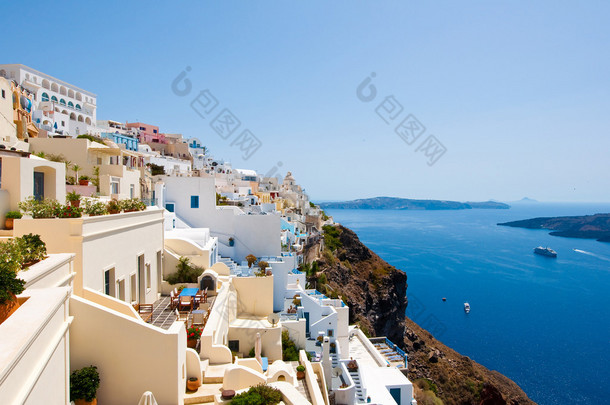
[[258, 346], [147, 399]]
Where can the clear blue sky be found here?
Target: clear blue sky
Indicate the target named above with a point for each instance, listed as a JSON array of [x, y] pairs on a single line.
[[517, 92]]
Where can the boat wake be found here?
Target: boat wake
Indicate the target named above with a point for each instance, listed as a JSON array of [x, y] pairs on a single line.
[[584, 252]]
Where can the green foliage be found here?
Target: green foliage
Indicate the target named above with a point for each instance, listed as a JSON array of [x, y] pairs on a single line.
[[84, 383], [312, 205], [94, 207], [156, 170], [251, 353], [289, 349], [84, 177], [32, 248], [263, 265], [300, 368], [13, 215], [322, 279], [331, 237], [67, 211], [39, 209], [132, 204], [11, 259], [221, 199], [324, 216], [328, 256], [73, 196], [185, 272], [258, 395], [113, 206], [91, 138], [96, 177]]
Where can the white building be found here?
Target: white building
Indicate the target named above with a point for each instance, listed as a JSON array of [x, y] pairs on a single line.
[[59, 107]]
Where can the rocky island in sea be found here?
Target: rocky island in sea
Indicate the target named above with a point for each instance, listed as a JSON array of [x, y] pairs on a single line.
[[586, 227], [394, 203]]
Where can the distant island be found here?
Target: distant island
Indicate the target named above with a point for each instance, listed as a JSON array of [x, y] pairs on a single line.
[[394, 203], [587, 227]]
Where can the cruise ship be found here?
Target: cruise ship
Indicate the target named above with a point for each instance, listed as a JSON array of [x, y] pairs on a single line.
[[545, 251]]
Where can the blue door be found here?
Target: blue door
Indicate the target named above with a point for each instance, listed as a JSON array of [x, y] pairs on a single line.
[[38, 186], [395, 393]]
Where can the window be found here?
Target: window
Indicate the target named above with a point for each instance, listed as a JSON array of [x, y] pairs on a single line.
[[132, 191], [133, 284], [142, 129], [121, 289], [3, 94], [70, 104], [169, 207], [53, 98], [234, 345], [330, 332], [114, 185], [78, 106], [62, 102], [194, 201], [148, 276], [63, 123], [45, 96], [109, 282]]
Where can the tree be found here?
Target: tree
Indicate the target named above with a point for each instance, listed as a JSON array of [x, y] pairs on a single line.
[[251, 259], [76, 168]]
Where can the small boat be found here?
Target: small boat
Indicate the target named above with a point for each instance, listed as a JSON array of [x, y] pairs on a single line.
[[466, 307], [548, 252], [444, 299]]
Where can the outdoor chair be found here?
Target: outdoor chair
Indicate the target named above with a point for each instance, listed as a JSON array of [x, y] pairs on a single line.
[[198, 318], [173, 300], [185, 302], [146, 312], [197, 300]]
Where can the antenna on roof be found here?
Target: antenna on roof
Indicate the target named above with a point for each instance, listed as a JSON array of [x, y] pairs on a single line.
[[273, 319]]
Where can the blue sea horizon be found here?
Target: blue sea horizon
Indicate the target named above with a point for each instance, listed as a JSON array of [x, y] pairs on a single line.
[[543, 322]]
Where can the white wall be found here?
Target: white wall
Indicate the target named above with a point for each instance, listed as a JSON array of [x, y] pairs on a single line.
[[34, 360], [132, 356]]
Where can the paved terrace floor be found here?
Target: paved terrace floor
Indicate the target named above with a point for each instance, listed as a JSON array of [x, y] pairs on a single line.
[[164, 316]]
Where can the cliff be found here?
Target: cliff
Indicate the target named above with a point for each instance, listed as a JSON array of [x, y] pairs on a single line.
[[393, 203], [587, 226], [375, 291]]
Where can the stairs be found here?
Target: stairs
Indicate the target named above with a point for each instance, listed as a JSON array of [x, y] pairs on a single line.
[[229, 262], [360, 396]]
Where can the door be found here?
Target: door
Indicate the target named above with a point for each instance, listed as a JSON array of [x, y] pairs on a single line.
[[141, 280], [395, 393], [306, 314], [38, 186]]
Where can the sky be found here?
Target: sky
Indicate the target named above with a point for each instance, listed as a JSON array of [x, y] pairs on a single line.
[[494, 100]]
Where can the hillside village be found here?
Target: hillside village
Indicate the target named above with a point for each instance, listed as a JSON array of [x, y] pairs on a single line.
[[181, 279]]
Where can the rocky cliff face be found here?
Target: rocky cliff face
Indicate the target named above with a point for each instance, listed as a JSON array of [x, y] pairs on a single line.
[[375, 291]]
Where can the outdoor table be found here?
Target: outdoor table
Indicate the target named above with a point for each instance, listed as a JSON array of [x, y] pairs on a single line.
[[191, 292]]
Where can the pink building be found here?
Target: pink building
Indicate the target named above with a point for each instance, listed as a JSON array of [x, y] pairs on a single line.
[[148, 133]]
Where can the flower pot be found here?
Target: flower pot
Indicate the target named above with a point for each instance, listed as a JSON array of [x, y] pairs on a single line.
[[192, 384], [83, 402], [8, 223], [8, 308], [191, 343], [113, 211], [231, 242], [75, 203], [83, 182], [300, 375]]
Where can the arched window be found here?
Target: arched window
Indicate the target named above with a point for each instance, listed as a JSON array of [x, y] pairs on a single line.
[[55, 87], [78, 107], [46, 84], [80, 118], [53, 98], [62, 102], [73, 117], [63, 91], [79, 96], [45, 97], [70, 93], [88, 121], [70, 104]]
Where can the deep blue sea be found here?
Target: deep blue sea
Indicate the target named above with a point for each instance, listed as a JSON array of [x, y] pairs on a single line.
[[543, 322]]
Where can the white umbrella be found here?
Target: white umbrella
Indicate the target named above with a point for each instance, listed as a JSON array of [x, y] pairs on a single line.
[[147, 399], [258, 347]]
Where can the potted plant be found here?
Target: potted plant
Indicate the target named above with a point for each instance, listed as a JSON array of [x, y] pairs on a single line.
[[83, 385], [192, 384], [263, 265], [68, 211], [10, 217], [10, 263], [333, 347], [231, 241], [192, 335], [94, 208], [83, 180], [73, 198], [352, 365], [113, 206], [251, 259], [300, 372], [33, 249]]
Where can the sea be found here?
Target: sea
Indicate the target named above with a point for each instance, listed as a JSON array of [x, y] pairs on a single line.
[[543, 322]]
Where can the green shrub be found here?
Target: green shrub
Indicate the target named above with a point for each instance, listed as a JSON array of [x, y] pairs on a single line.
[[259, 395], [13, 215], [39, 209], [32, 248], [331, 237], [91, 138], [93, 207], [84, 383], [11, 259], [185, 272], [251, 353], [300, 368], [73, 196], [290, 352], [67, 211], [132, 204]]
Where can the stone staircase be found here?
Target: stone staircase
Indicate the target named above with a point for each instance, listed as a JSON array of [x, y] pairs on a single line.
[[229, 262], [360, 396]]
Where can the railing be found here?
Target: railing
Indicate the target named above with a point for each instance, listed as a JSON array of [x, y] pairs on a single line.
[[150, 202]]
